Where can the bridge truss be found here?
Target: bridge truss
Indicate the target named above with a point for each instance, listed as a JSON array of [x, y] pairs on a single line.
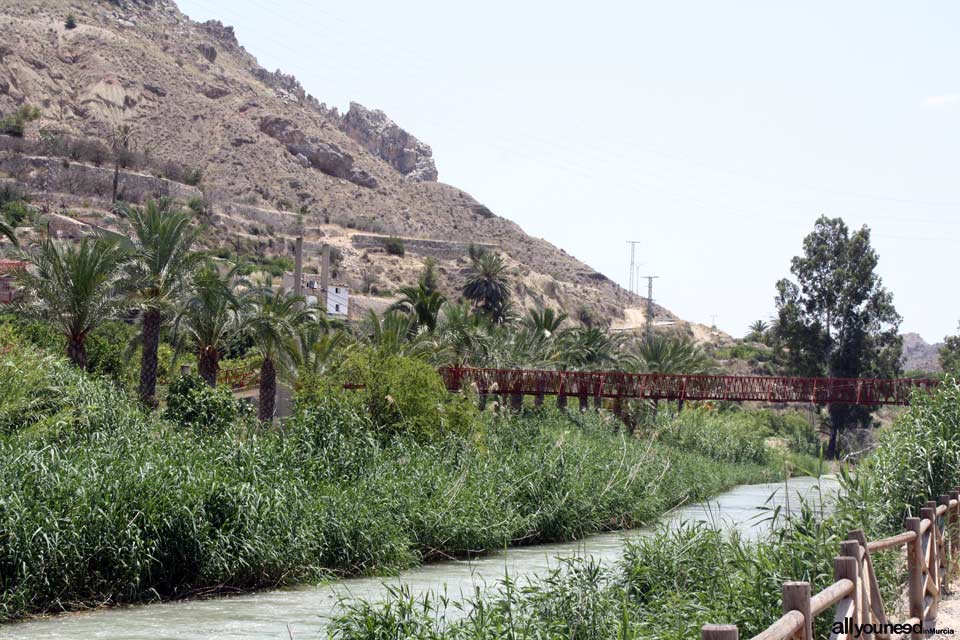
[[612, 384]]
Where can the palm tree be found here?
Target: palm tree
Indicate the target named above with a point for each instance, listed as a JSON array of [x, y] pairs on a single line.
[[158, 277], [7, 230], [322, 345], [486, 286], [208, 318], [422, 303], [464, 334], [544, 321], [396, 334], [73, 286], [661, 354], [757, 330], [273, 320], [591, 349]]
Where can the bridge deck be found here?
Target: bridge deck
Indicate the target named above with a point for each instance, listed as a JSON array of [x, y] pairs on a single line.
[[612, 384]]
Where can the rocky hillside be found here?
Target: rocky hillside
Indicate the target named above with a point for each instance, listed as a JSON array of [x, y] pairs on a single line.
[[263, 159], [920, 355]]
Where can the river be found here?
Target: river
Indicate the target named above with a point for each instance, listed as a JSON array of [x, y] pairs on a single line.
[[302, 612]]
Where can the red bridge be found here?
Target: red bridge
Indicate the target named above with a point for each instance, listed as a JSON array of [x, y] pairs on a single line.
[[655, 386]]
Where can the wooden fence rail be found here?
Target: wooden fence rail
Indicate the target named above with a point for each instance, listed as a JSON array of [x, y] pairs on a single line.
[[932, 544]]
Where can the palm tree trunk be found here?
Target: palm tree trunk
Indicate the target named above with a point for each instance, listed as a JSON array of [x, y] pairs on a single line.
[[208, 365], [77, 352], [148, 358], [268, 390], [116, 178]]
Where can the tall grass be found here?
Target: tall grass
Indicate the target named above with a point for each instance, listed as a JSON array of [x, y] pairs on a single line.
[[101, 503], [670, 584]]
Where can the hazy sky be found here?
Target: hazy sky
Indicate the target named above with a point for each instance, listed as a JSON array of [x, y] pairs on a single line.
[[713, 132]]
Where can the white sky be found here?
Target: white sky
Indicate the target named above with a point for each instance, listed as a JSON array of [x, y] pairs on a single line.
[[713, 132]]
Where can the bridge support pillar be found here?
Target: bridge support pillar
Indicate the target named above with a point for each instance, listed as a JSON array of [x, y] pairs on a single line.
[[538, 400], [483, 401], [597, 401], [618, 407], [584, 403], [562, 402], [516, 401]]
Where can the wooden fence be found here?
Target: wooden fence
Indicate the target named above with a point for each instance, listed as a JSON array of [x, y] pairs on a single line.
[[932, 544]]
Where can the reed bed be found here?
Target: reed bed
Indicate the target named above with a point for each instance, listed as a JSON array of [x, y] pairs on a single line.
[[102, 503], [670, 584]]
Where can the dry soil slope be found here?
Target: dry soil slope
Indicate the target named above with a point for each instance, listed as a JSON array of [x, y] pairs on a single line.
[[193, 94]]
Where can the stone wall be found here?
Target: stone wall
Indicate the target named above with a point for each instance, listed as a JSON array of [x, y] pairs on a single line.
[[282, 222], [441, 249], [58, 175]]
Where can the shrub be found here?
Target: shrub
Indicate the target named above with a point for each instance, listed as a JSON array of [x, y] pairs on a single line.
[[70, 22], [16, 213], [197, 206], [726, 437], [193, 404], [15, 123], [399, 394], [394, 246]]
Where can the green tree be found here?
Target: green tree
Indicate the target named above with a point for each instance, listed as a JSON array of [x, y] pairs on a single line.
[[422, 304], [395, 333], [159, 276], [837, 319], [73, 286], [208, 319], [758, 331], [15, 123], [950, 354], [668, 355], [120, 147], [274, 320], [486, 286], [70, 22], [545, 321], [591, 349]]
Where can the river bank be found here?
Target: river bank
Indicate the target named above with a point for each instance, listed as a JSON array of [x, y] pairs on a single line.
[[306, 611]]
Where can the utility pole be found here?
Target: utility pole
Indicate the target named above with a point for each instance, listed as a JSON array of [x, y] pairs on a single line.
[[633, 262], [713, 320], [298, 267], [649, 327]]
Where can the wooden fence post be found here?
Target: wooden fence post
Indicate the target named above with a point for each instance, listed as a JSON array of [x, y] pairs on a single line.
[[915, 572], [955, 533], [719, 632], [933, 567], [796, 597], [845, 567], [852, 549], [946, 559], [869, 575]]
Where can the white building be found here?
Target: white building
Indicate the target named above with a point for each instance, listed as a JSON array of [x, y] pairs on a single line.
[[337, 296]]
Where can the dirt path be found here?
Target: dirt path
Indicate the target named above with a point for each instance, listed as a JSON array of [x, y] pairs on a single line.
[[948, 615]]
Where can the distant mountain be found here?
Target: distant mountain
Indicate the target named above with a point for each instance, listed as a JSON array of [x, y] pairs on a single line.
[[919, 354], [264, 161]]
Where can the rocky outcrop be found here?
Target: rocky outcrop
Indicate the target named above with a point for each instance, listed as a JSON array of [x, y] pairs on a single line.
[[920, 355], [324, 156], [382, 137]]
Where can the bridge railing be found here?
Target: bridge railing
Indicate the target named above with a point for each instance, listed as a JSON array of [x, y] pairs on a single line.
[[932, 547], [655, 386]]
